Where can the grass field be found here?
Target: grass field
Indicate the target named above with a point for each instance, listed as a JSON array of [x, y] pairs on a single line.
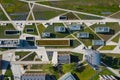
[[30, 57], [87, 17], [114, 28], [56, 34], [116, 39], [71, 16], [89, 6], [2, 15], [41, 28], [8, 27], [43, 13], [108, 47], [21, 54], [117, 15], [88, 42], [15, 6], [31, 26]]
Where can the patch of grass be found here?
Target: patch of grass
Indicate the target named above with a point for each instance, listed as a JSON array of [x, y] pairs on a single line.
[[8, 27], [117, 15], [43, 13], [21, 54], [103, 72], [89, 6], [30, 57], [112, 60], [114, 28], [84, 73], [71, 16], [41, 28], [116, 39], [33, 27], [108, 47], [15, 6], [88, 42], [30, 17], [56, 34], [2, 15], [78, 55], [87, 17]]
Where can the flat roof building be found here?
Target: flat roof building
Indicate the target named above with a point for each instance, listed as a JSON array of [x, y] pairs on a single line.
[[75, 27], [83, 35], [9, 43], [35, 76], [102, 29], [63, 58], [107, 77], [93, 58], [98, 42], [67, 76], [59, 29], [46, 34]]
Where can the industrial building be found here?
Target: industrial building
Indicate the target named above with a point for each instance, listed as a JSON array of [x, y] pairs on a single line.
[[35, 76], [9, 43], [59, 29], [93, 58], [107, 77], [46, 34], [102, 29], [83, 35], [75, 27], [67, 76], [63, 58], [98, 42]]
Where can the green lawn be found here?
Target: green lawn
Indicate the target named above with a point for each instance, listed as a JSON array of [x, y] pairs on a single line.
[[2, 15], [78, 55], [88, 42], [8, 27], [21, 54], [15, 6], [116, 39], [71, 16], [43, 13], [87, 17], [89, 6], [103, 72], [117, 15], [114, 28], [56, 34], [41, 28], [108, 47], [33, 27], [30, 57], [111, 59]]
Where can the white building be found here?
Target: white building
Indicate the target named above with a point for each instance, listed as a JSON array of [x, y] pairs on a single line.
[[107, 77]]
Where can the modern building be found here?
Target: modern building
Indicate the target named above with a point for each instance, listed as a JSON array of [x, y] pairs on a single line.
[[107, 77], [46, 34], [9, 43], [30, 38], [75, 27], [63, 58], [12, 32], [35, 76], [93, 58], [98, 42], [67, 76], [63, 18], [102, 29], [59, 29], [83, 35]]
